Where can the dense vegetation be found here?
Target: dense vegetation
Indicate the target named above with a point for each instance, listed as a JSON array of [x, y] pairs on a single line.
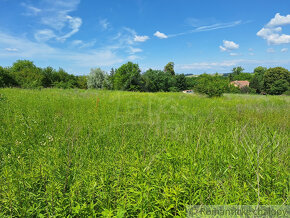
[[128, 77], [25, 74], [80, 153]]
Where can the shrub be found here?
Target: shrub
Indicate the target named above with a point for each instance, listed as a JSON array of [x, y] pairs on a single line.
[[287, 92], [276, 80], [96, 78], [6, 80], [247, 90], [233, 89], [173, 89], [213, 86]]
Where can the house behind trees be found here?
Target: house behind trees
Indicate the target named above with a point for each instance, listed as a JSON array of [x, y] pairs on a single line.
[[240, 84]]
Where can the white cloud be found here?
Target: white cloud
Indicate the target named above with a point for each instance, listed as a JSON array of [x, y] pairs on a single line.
[[160, 35], [228, 64], [104, 24], [74, 24], [222, 48], [284, 49], [81, 44], [133, 50], [125, 41], [279, 20], [31, 10], [271, 50], [39, 51], [44, 35], [11, 49], [209, 65], [272, 31], [251, 53], [234, 54], [133, 57], [55, 15], [228, 46], [204, 28], [140, 38], [217, 26]]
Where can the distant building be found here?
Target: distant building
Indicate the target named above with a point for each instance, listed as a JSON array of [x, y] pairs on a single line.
[[240, 84], [188, 91]]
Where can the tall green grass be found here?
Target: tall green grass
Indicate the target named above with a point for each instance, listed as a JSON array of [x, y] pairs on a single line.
[[104, 153]]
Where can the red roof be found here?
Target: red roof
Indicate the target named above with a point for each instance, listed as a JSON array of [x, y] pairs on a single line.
[[240, 84]]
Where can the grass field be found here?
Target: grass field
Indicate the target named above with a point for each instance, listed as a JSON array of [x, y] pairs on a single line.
[[103, 153]]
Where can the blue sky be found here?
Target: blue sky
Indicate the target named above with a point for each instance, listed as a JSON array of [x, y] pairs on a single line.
[[197, 35]]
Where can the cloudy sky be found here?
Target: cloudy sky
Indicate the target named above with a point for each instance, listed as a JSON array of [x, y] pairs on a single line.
[[197, 35]]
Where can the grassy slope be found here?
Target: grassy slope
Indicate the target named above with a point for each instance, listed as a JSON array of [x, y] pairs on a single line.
[[87, 152]]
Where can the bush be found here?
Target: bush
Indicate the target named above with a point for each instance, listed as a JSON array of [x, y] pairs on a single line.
[[247, 90], [287, 92], [276, 80], [173, 89], [213, 86], [6, 80], [233, 89], [96, 79]]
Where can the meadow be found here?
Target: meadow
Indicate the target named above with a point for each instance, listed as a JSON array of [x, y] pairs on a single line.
[[82, 153]]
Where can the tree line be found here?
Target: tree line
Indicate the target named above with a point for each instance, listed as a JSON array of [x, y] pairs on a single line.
[[24, 74], [128, 77]]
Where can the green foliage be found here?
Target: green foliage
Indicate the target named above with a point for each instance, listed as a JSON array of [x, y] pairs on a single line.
[[88, 153], [26, 74], [237, 70], [160, 81], [276, 80], [155, 81], [109, 80], [181, 82], [174, 89], [96, 78], [20, 65], [169, 68], [6, 80], [82, 82], [49, 77], [287, 92], [213, 86], [242, 77], [28, 78], [233, 89], [257, 81], [238, 74], [247, 90], [128, 77], [191, 82]]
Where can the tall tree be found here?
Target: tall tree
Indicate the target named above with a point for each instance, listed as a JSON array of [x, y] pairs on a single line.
[[157, 80], [96, 78], [276, 80], [169, 68], [128, 77], [257, 81], [236, 71]]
